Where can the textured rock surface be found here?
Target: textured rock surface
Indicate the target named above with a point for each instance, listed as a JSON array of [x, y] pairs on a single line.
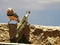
[[45, 35], [4, 33], [39, 34]]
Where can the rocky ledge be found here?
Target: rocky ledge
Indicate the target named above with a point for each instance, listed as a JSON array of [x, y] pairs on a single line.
[[39, 34]]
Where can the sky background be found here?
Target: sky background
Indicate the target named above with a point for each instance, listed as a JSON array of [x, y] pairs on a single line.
[[43, 12]]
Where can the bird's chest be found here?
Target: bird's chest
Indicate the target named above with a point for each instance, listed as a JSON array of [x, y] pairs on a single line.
[[12, 18]]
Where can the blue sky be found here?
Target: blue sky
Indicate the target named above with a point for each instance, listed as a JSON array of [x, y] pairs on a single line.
[[43, 12]]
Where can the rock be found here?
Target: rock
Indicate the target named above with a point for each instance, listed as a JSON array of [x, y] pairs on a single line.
[[38, 34]]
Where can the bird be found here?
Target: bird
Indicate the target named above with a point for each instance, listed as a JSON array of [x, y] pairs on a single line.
[[12, 14], [28, 11]]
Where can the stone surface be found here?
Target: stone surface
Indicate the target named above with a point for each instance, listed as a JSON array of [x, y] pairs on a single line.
[[4, 33], [38, 34], [45, 35]]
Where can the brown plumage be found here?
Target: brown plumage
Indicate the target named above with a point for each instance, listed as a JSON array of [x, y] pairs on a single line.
[[12, 14]]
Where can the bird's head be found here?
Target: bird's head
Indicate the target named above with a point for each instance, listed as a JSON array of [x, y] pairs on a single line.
[[27, 12], [10, 10]]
